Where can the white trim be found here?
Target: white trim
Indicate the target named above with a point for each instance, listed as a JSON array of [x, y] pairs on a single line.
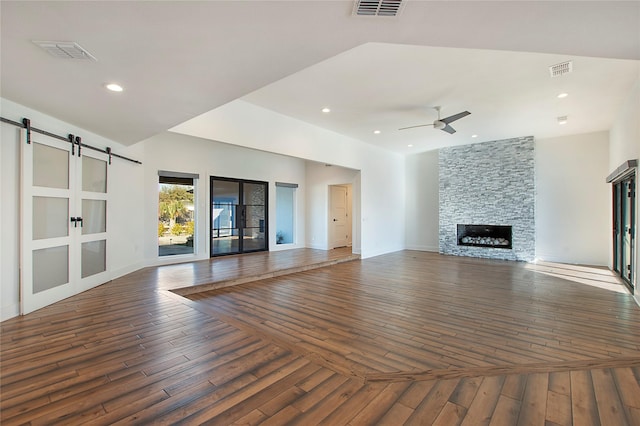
[[423, 248], [127, 270], [173, 259], [9, 311], [317, 246]]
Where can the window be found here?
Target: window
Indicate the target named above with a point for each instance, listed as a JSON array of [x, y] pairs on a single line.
[[285, 212], [176, 213]]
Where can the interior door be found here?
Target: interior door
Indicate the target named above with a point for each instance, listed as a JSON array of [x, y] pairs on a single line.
[[46, 258], [238, 216], [92, 210], [339, 223], [64, 219]]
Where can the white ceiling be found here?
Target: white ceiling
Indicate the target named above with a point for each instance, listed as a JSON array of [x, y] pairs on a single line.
[[180, 59], [509, 94]]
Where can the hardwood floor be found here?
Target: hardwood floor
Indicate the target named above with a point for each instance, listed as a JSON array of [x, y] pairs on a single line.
[[405, 338]]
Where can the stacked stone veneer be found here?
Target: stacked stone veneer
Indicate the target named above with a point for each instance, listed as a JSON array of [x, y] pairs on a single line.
[[491, 183]]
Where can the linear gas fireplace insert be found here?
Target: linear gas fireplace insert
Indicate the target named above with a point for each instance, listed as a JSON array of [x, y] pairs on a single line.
[[496, 236]]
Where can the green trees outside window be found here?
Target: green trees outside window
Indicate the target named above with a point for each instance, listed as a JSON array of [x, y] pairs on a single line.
[[175, 219]]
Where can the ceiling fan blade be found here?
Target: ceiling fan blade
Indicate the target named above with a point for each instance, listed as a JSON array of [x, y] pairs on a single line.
[[448, 129], [420, 125], [455, 117]]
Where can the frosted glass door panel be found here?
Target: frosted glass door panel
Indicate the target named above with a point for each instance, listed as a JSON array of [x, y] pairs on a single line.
[[94, 175], [94, 258], [94, 216], [50, 268], [50, 166], [50, 217]]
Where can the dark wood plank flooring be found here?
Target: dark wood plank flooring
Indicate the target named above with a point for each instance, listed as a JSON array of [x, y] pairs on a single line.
[[405, 338]]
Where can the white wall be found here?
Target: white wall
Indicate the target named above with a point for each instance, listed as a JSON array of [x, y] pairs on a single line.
[[624, 144], [422, 201], [9, 217], [2, 208], [188, 154], [382, 179], [573, 199], [624, 135], [319, 178], [125, 201], [126, 204]]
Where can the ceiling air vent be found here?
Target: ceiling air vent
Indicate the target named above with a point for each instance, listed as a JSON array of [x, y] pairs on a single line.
[[377, 7], [561, 69], [65, 50]]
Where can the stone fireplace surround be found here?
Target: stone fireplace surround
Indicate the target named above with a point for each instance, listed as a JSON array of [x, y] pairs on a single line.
[[488, 183]]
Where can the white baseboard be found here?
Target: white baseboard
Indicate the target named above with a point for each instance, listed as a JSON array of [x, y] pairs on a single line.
[[317, 246], [171, 260], [571, 261], [423, 248], [9, 311], [380, 251], [126, 270], [282, 247]]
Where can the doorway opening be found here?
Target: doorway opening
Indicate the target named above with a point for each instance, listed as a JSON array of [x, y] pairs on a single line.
[[624, 228], [239, 222], [340, 213]]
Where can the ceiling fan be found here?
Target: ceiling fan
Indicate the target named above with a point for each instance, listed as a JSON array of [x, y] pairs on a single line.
[[442, 123]]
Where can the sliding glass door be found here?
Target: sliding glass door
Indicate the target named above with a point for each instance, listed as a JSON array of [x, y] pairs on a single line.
[[624, 228], [238, 216]]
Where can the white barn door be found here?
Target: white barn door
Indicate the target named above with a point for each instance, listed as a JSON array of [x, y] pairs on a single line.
[[64, 216]]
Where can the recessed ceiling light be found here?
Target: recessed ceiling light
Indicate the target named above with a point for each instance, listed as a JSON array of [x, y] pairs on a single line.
[[562, 120], [474, 136], [377, 132], [562, 95], [114, 87], [410, 145], [325, 109]]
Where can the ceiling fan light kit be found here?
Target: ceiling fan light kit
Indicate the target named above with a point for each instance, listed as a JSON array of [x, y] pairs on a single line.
[[442, 123]]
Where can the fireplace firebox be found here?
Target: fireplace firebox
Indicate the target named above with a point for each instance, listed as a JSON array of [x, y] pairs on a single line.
[[496, 236]]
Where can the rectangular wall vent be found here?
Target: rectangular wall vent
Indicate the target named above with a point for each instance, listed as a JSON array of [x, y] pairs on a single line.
[[377, 7], [560, 69], [65, 50]]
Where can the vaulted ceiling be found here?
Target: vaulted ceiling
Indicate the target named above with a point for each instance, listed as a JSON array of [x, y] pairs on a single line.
[[177, 60]]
